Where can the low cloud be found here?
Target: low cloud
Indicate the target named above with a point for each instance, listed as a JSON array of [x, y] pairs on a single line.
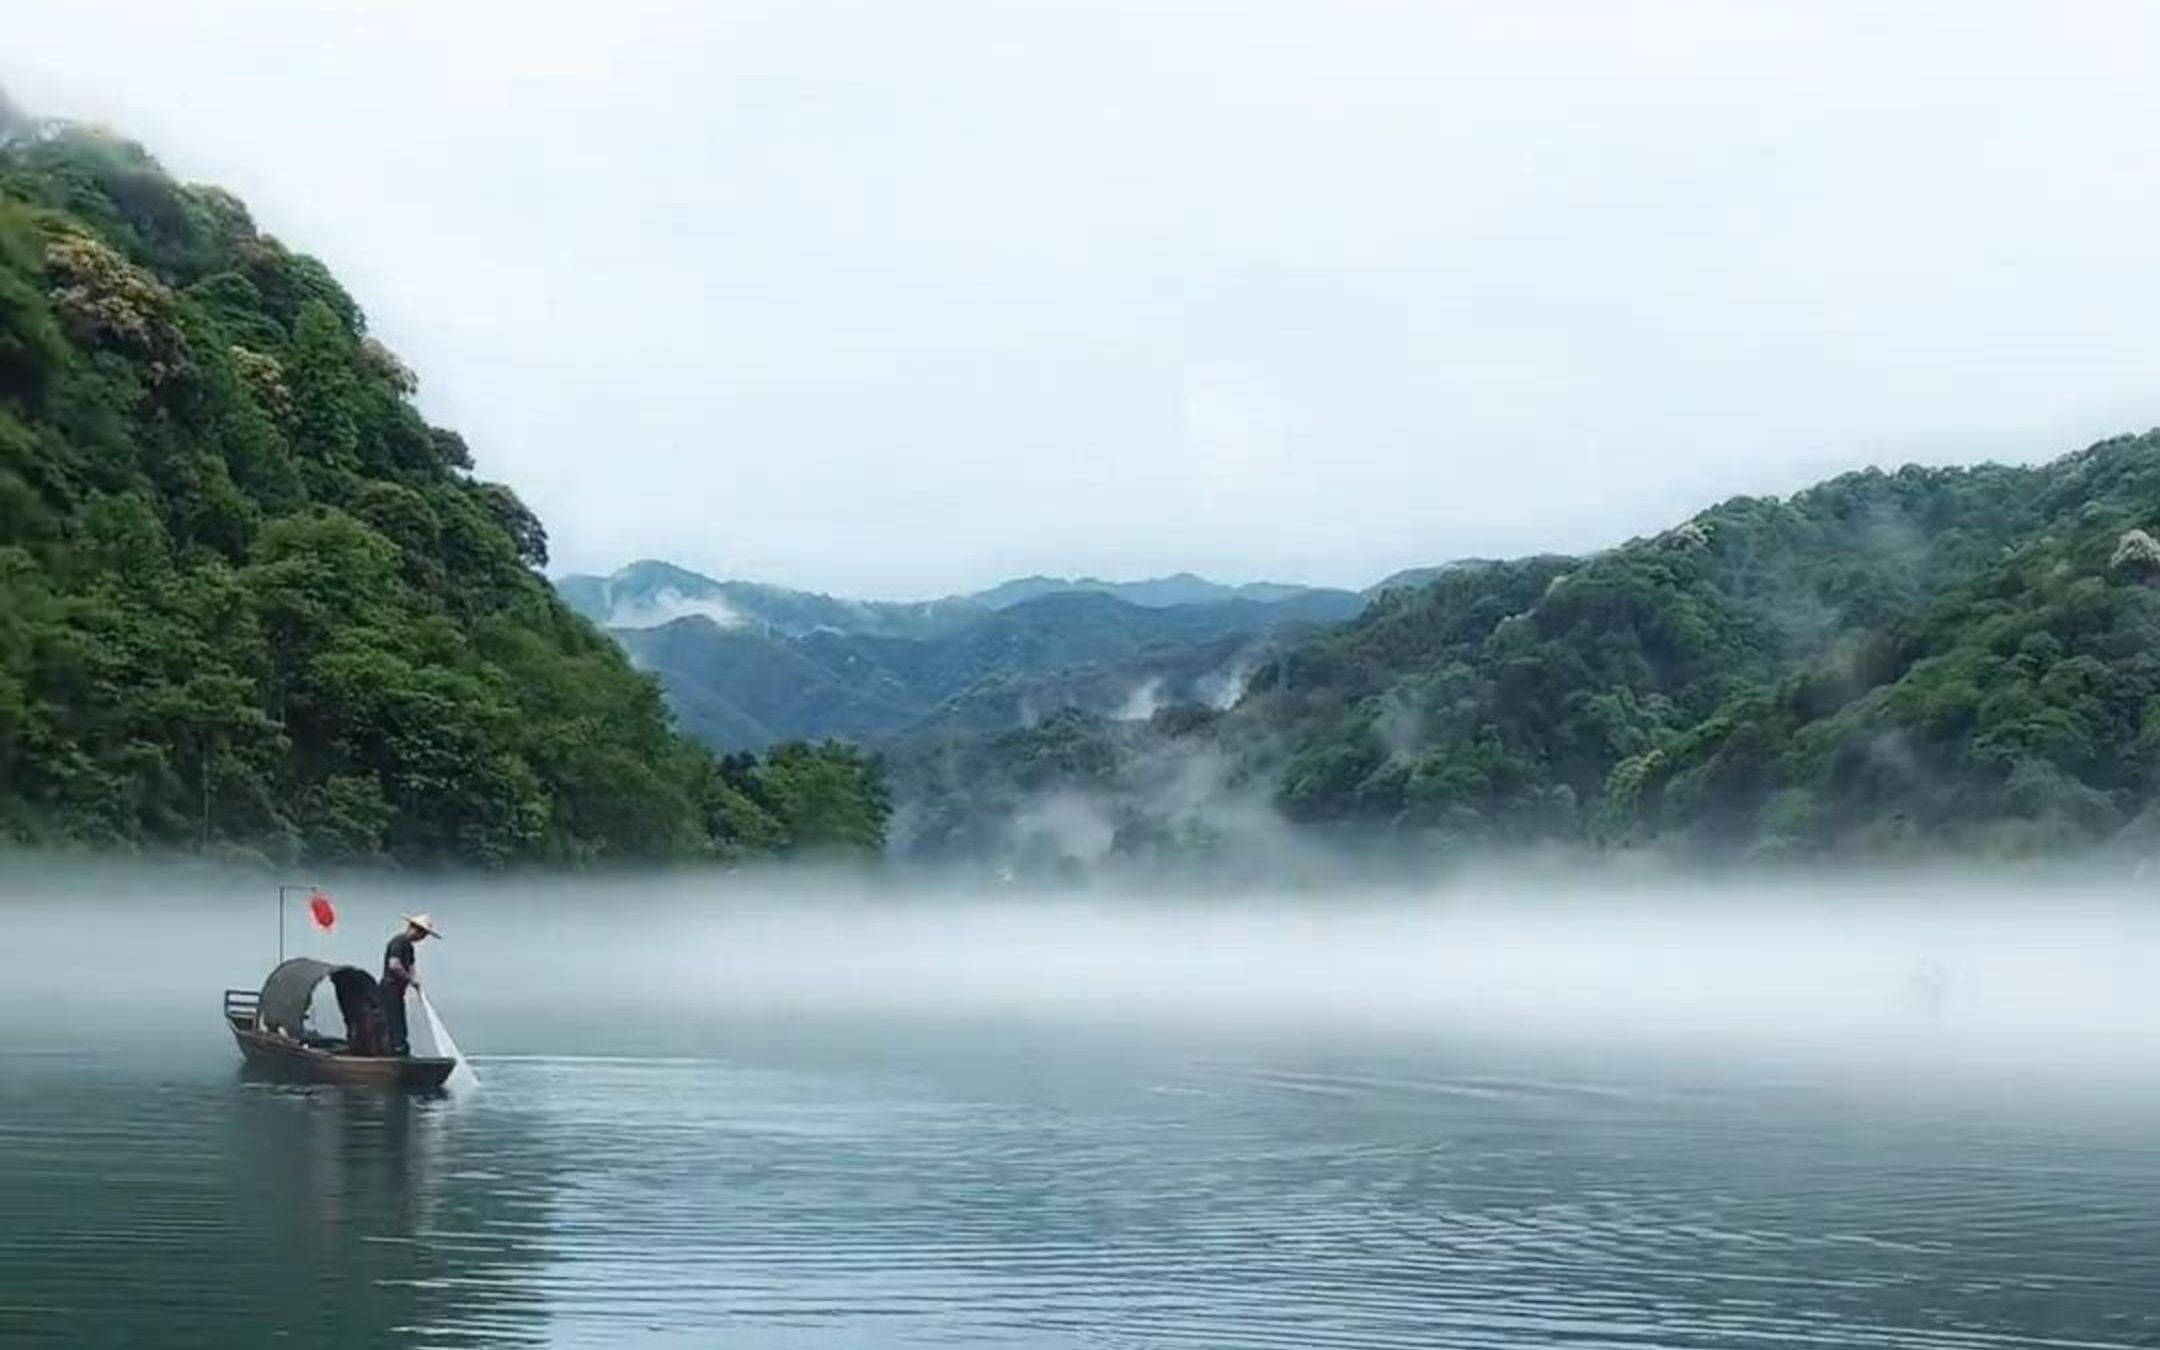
[[1142, 703], [666, 606]]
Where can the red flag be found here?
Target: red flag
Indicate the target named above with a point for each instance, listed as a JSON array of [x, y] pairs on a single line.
[[319, 905]]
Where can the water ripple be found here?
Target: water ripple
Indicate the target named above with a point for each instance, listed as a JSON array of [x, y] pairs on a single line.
[[1048, 1195]]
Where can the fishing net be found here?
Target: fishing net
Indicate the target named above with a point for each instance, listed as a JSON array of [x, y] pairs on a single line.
[[462, 1078]]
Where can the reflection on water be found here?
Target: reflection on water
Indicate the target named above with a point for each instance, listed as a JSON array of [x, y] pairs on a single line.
[[910, 1184], [184, 1203]]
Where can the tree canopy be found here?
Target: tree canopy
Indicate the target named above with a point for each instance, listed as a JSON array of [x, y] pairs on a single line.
[[251, 599], [1926, 659]]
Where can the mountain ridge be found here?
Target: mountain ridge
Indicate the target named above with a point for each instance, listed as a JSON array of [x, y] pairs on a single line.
[[625, 598], [746, 664]]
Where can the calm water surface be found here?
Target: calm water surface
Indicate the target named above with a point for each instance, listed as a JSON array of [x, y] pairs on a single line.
[[1042, 1184]]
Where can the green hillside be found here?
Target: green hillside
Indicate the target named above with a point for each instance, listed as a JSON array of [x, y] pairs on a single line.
[[2018, 712], [1890, 663], [1927, 659], [250, 599], [1497, 699]]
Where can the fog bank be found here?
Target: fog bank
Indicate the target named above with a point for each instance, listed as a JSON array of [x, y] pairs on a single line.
[[1940, 969]]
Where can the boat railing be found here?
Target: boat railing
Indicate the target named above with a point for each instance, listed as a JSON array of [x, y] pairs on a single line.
[[243, 1007]]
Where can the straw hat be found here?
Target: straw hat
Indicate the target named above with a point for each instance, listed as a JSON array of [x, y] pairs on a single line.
[[424, 923]]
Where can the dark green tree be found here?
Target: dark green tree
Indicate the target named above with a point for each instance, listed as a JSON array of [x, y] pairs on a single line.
[[250, 599]]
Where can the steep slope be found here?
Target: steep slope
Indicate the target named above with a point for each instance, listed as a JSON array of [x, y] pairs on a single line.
[[250, 598], [1958, 659], [1497, 700], [2017, 713]]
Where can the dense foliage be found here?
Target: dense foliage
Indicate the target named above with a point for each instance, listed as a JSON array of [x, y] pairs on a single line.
[[2018, 712], [1498, 698], [1889, 663], [1918, 659], [249, 598]]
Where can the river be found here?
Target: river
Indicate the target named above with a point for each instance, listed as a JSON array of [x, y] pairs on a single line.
[[662, 1162]]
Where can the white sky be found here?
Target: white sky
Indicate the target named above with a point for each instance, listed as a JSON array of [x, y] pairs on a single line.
[[896, 299]]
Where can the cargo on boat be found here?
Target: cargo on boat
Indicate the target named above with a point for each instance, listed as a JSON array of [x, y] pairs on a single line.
[[272, 1028]]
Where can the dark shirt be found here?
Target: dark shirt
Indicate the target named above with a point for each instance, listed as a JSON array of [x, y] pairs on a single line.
[[401, 950]]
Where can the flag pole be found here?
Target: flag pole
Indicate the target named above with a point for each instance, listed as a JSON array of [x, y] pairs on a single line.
[[281, 917]]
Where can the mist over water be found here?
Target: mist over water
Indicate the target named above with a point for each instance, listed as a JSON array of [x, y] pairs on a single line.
[[1841, 967], [1517, 1109]]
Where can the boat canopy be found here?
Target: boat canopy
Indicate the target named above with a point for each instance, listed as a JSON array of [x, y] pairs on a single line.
[[286, 994]]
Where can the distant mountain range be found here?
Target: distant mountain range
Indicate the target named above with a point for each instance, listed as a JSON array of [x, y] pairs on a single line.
[[649, 594], [1182, 588], [654, 594], [747, 665]]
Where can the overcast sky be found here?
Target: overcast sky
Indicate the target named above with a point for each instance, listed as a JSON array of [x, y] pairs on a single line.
[[901, 298]]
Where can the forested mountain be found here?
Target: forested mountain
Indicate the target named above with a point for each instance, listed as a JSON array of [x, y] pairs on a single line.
[[250, 599], [1889, 662], [745, 665], [1498, 698], [2017, 711], [1932, 659]]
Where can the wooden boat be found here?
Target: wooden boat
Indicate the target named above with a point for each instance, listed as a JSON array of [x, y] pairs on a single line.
[[271, 1027]]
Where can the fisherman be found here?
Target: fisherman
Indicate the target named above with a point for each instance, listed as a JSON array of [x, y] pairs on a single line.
[[397, 976]]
